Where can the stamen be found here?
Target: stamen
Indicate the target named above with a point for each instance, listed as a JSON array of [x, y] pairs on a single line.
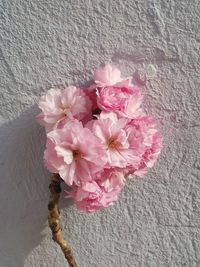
[[111, 143], [76, 154], [65, 110]]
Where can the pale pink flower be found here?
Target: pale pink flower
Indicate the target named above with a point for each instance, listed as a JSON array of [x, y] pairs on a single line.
[[99, 193], [111, 131], [125, 101], [74, 152], [108, 75], [144, 140], [150, 155], [59, 106]]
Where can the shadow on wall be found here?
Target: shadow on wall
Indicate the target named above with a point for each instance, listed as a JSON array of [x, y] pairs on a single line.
[[23, 188]]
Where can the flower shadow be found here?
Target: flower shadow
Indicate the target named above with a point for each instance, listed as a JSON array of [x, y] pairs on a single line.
[[23, 188]]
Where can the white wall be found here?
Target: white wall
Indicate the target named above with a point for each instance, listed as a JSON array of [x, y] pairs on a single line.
[[43, 43]]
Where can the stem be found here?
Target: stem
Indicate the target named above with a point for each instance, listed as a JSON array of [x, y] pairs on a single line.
[[54, 219]]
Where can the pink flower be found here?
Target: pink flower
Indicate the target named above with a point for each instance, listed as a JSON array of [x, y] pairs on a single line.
[[98, 136], [59, 106], [150, 155], [92, 96], [108, 75], [123, 100], [111, 131], [99, 193], [144, 140], [115, 93], [74, 152]]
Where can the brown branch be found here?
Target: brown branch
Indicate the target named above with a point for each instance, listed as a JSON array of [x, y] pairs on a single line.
[[54, 219]]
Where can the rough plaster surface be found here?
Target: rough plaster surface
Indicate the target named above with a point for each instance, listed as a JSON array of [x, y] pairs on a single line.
[[52, 43]]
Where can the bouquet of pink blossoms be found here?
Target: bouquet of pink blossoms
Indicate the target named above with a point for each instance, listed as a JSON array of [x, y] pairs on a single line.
[[97, 136]]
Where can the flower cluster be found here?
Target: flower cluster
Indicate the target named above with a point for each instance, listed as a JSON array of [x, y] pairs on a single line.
[[97, 136]]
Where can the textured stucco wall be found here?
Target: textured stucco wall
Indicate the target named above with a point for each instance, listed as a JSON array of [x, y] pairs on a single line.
[[43, 43]]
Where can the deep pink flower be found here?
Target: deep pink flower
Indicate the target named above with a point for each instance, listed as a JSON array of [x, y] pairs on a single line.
[[99, 193], [125, 101], [115, 93], [59, 106], [74, 152], [146, 141], [111, 131], [91, 93]]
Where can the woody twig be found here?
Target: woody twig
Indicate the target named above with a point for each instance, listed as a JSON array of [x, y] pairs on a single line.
[[54, 219]]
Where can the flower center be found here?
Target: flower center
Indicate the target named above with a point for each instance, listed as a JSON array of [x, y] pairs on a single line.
[[112, 143], [65, 110], [76, 154]]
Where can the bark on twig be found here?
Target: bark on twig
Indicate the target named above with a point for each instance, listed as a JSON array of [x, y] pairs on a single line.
[[54, 219]]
